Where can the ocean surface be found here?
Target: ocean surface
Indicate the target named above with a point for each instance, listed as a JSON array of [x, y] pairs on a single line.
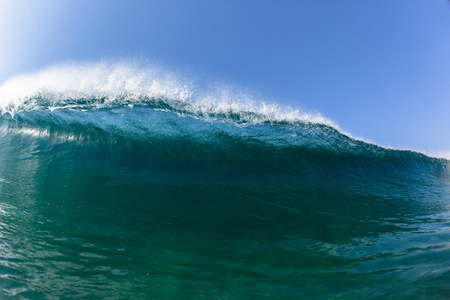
[[121, 183]]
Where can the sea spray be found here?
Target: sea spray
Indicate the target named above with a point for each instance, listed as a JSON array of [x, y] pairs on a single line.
[[101, 85]]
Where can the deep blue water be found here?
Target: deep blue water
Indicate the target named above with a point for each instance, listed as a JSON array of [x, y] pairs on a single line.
[[156, 200]]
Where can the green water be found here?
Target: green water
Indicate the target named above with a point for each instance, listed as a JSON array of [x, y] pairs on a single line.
[[215, 213]]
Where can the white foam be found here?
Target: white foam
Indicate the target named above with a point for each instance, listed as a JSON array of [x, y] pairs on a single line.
[[116, 82], [100, 80]]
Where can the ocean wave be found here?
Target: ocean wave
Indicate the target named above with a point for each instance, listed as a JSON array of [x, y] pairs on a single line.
[[122, 108], [160, 181]]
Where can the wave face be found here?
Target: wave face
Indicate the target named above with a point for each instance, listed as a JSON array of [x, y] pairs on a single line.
[[122, 182]]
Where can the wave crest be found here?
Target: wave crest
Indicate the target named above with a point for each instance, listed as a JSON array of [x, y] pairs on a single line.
[[102, 85]]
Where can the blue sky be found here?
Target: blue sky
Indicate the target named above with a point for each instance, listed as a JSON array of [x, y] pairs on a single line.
[[379, 69]]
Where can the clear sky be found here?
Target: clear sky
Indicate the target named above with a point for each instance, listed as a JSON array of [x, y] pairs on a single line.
[[380, 69]]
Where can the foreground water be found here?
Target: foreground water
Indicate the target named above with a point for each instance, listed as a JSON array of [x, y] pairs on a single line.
[[147, 197]]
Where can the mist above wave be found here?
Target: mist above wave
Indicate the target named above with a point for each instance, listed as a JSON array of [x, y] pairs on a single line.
[[87, 86]]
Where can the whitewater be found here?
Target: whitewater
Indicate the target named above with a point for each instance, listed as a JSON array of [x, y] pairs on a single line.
[[118, 181]]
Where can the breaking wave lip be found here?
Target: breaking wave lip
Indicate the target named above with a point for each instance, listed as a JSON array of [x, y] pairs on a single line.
[[102, 85]]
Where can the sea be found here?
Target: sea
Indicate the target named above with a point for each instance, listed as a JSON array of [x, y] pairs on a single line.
[[122, 182]]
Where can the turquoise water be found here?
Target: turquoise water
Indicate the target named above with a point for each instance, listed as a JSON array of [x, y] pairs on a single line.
[[155, 198]]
